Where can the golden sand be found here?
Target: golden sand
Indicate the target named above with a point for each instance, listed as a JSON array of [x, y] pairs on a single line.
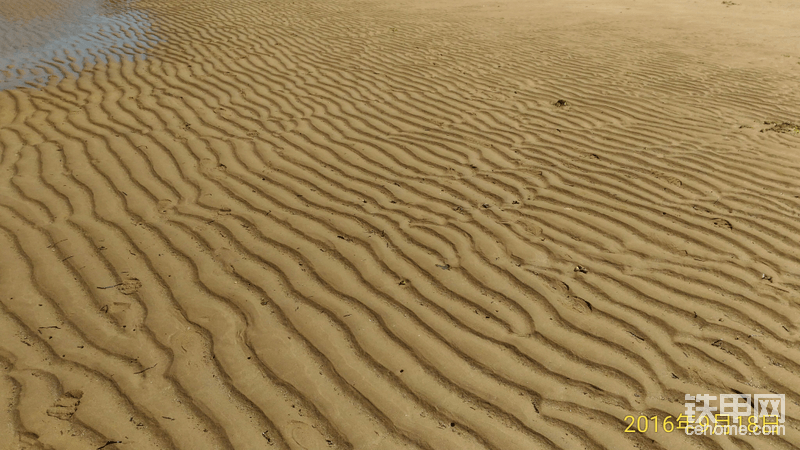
[[240, 224]]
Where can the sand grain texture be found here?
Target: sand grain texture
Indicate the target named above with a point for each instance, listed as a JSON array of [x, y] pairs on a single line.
[[453, 225]]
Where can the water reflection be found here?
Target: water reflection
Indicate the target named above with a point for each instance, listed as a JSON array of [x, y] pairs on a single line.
[[40, 39]]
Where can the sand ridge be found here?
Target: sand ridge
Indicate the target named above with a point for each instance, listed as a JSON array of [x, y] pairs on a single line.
[[354, 225]]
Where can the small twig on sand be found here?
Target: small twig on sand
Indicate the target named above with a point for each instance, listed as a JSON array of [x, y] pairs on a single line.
[[145, 370], [51, 326], [55, 243]]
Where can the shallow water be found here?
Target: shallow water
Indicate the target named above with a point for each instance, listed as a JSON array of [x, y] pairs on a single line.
[[42, 39]]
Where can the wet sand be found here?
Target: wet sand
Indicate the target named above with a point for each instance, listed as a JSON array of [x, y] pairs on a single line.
[[424, 225], [43, 41]]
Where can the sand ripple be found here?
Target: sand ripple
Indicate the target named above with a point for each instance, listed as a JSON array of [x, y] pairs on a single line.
[[352, 225]]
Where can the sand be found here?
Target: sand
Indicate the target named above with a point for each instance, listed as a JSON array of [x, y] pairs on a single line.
[[239, 224]]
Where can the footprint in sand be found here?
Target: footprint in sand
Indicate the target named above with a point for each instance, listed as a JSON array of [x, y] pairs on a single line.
[[212, 169], [165, 206], [65, 407], [308, 437], [130, 286], [722, 223]]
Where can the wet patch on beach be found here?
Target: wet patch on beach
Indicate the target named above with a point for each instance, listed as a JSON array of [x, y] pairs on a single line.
[[45, 39]]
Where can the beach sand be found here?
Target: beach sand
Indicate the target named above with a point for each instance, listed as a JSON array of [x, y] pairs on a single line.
[[240, 224]]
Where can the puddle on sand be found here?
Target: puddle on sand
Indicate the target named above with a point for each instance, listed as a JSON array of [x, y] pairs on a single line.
[[40, 39]]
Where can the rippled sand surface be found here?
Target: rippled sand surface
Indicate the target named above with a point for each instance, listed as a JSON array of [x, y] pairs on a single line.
[[238, 224]]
